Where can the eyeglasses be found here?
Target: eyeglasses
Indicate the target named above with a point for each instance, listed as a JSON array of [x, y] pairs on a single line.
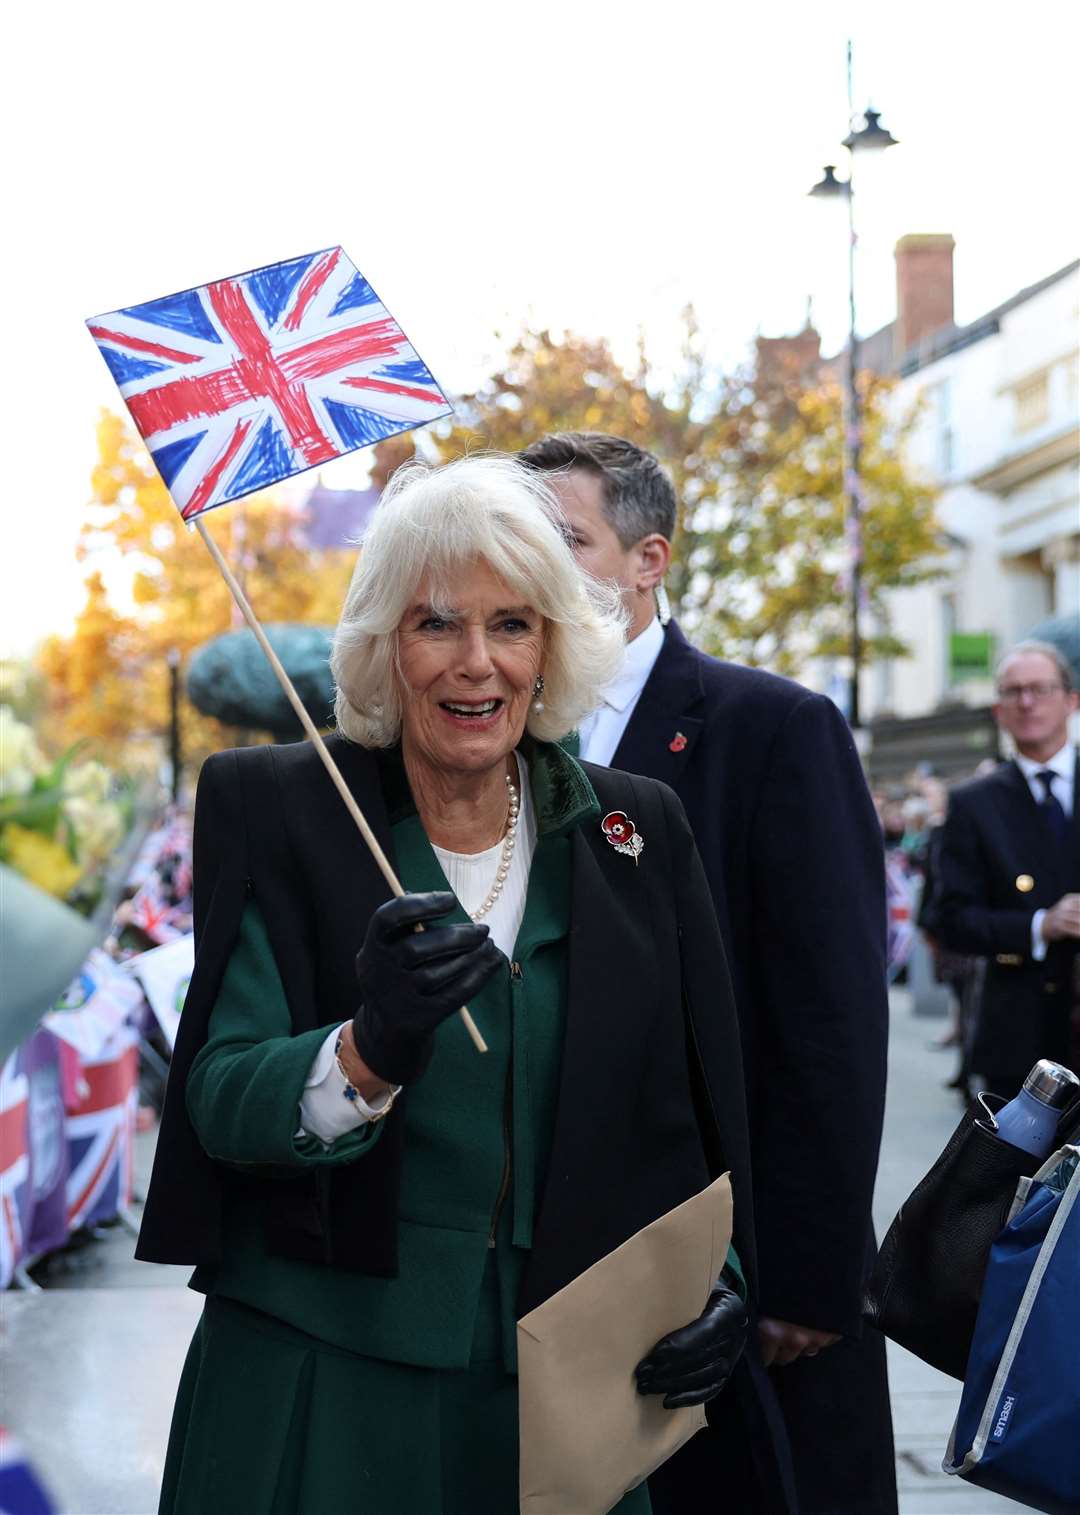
[[1012, 694]]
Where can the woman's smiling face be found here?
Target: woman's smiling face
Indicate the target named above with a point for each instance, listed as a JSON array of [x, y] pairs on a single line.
[[467, 671]]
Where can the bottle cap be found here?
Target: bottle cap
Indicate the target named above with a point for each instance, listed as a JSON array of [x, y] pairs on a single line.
[[1052, 1084]]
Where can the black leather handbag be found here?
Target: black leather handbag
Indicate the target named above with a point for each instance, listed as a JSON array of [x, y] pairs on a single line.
[[925, 1287]]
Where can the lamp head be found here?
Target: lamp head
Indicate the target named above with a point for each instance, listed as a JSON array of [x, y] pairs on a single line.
[[829, 187], [871, 136]]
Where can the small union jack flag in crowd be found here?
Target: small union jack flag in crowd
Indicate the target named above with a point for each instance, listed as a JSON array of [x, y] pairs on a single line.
[[236, 385], [900, 904], [101, 1134], [154, 916], [14, 1166]]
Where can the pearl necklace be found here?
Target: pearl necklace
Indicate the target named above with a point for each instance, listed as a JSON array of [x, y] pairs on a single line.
[[505, 856]]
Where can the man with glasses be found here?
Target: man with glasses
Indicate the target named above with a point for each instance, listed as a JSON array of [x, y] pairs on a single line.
[[1009, 884]]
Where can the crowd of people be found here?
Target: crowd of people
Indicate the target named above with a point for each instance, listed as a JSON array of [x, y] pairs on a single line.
[[911, 815]]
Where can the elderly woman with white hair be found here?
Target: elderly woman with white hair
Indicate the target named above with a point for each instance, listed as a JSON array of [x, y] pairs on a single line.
[[371, 1203]]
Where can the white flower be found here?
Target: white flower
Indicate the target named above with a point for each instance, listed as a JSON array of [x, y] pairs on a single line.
[[97, 825], [88, 781], [21, 759]]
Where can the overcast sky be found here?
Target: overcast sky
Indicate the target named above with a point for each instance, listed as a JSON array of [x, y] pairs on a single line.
[[588, 166]]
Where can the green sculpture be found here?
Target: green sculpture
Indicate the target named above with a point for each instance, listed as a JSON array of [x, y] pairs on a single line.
[[231, 679]]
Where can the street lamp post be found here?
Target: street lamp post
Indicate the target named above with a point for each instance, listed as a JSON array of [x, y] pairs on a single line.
[[871, 136], [175, 759]]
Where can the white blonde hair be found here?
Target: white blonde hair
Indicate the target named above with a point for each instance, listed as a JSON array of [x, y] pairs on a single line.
[[432, 521]]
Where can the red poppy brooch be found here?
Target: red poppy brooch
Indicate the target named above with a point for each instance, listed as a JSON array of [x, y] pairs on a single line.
[[677, 743], [619, 830]]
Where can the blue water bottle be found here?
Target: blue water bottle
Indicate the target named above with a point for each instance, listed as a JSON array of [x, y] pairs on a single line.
[[1030, 1121]]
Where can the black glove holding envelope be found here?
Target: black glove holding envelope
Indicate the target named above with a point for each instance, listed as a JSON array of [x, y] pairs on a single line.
[[411, 981], [691, 1365]]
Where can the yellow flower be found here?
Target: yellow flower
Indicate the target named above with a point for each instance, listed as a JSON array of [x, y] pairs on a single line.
[[40, 859]]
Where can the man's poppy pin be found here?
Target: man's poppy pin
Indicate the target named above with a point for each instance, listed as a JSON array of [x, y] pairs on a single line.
[[619, 830], [677, 743]]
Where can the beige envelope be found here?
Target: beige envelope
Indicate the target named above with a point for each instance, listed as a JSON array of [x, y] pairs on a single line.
[[587, 1435]]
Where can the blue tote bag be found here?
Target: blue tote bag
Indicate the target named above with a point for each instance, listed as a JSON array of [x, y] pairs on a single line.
[[1017, 1431]]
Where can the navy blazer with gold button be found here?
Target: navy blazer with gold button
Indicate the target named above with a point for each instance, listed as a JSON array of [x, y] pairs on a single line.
[[1000, 863]]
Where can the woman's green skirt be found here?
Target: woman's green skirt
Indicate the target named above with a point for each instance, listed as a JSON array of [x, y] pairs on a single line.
[[270, 1421]]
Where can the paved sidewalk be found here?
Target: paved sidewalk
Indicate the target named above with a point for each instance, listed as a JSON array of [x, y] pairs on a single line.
[[89, 1380], [90, 1367], [919, 1117]]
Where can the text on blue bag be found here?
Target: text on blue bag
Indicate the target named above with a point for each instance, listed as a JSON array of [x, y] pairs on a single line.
[[1001, 1425]]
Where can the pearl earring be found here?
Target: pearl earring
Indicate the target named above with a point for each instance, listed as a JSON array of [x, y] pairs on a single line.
[[538, 690]]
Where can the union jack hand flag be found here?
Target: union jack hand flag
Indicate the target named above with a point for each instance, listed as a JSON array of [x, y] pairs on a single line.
[[239, 384]]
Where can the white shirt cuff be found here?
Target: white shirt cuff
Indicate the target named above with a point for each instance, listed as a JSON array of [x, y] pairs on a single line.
[[325, 1112], [1038, 942]]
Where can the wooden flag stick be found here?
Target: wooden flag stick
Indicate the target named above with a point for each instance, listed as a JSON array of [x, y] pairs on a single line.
[[320, 746]]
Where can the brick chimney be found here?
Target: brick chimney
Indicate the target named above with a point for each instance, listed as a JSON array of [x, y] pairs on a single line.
[[789, 360], [924, 288]]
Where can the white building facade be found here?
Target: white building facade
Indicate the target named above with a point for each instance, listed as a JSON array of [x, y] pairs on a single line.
[[999, 434]]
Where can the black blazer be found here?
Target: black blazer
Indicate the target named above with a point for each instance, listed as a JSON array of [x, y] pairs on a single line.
[[651, 1097], [779, 808], [999, 864]]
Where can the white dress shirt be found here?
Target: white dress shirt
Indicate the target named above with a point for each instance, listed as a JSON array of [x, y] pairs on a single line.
[[324, 1110], [1063, 766], [602, 729]]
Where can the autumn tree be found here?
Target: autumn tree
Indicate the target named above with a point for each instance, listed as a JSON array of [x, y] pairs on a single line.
[[763, 572], [108, 681], [760, 558], [94, 678]]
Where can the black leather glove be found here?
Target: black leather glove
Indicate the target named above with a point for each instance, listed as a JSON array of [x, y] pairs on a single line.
[[410, 982], [692, 1365]]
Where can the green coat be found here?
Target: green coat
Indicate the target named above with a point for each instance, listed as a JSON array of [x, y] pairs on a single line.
[[309, 1390], [477, 1132]]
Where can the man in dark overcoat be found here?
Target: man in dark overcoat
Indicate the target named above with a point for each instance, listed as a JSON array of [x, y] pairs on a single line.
[[1009, 875], [772, 784]]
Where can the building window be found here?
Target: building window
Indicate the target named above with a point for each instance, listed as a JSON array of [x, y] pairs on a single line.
[[1032, 402], [943, 406], [949, 620]]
